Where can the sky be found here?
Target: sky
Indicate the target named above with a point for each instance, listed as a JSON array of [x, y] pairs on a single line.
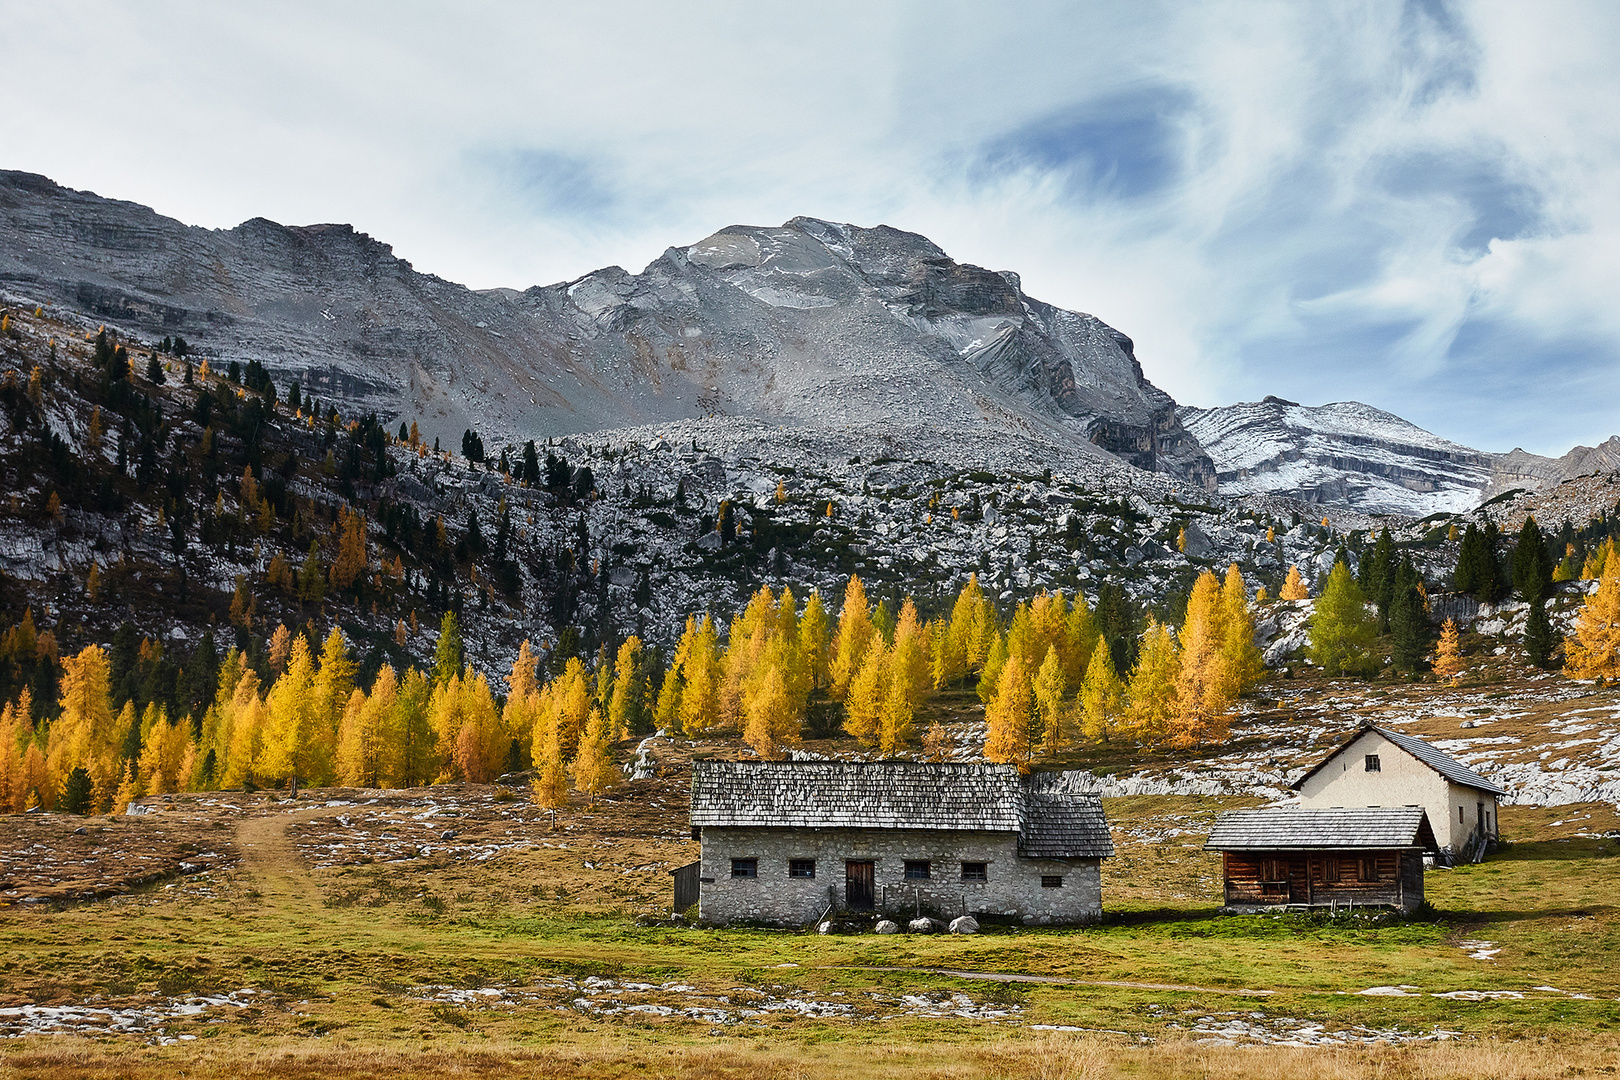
[[1412, 205]]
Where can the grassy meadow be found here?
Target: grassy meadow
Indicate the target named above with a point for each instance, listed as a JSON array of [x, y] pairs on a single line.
[[483, 956]]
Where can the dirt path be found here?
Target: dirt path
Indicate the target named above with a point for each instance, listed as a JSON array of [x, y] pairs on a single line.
[[1006, 977], [271, 860]]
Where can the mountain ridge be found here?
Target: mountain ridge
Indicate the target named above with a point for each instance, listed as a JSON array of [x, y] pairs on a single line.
[[811, 324]]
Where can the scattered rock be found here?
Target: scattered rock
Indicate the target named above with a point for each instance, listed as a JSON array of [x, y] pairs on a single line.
[[923, 925], [964, 924], [886, 926]]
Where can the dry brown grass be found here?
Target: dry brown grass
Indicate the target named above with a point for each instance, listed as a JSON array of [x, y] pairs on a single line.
[[1045, 1057]]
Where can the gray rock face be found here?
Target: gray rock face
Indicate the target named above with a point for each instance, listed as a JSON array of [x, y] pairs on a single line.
[[811, 325], [1521, 469], [1345, 453]]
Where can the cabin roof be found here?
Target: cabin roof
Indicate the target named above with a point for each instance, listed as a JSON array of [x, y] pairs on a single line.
[[1437, 760], [1050, 822], [1293, 829]]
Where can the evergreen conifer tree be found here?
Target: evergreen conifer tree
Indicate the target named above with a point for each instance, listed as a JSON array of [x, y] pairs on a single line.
[[1532, 565], [1342, 630], [447, 655], [1408, 622], [1538, 635]]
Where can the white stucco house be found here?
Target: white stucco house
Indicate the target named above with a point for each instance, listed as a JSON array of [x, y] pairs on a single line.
[[1378, 767]]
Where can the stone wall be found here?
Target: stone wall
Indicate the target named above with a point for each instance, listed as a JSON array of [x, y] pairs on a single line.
[[1012, 886]]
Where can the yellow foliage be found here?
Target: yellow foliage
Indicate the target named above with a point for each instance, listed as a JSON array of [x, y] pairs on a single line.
[[1592, 651], [1010, 719], [1448, 653], [1294, 588]]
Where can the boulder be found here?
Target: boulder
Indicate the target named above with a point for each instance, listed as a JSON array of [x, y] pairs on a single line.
[[964, 924], [924, 925], [886, 926], [825, 927]]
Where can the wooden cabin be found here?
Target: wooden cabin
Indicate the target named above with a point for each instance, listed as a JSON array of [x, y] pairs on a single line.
[[1292, 858]]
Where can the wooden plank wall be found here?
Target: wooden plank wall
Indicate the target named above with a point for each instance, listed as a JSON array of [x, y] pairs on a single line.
[[1316, 877]]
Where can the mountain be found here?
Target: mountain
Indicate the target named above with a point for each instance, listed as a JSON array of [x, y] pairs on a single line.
[[1521, 469], [1344, 453], [815, 326]]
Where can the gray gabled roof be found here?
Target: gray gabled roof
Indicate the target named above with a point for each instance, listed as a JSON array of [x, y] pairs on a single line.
[[1437, 760], [900, 795], [1290, 829]]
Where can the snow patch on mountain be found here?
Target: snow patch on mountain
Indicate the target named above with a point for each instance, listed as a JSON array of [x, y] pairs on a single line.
[[1345, 452]]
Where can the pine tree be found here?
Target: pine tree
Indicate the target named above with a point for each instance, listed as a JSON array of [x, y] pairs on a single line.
[[291, 742], [1408, 621], [1377, 574], [351, 563], [1342, 630], [1448, 653], [1532, 565], [1538, 635], [447, 655], [1294, 588], [1465, 578]]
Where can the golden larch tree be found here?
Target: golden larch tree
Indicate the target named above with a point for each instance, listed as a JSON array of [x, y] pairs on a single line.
[[1049, 689], [1448, 653], [1294, 588], [1102, 696], [1592, 650], [1152, 689], [1010, 719], [854, 636]]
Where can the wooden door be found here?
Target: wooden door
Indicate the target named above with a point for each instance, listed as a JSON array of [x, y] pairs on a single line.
[[858, 886]]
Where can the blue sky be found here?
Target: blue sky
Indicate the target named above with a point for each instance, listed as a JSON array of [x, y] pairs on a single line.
[[1413, 205]]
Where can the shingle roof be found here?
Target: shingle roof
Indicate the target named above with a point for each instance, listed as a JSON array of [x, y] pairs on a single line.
[[1290, 829], [1452, 770], [900, 795]]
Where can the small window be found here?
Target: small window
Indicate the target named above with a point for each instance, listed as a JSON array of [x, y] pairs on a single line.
[[1051, 881], [744, 867], [974, 871], [1369, 868], [1372, 763], [917, 870], [1460, 819], [805, 868]]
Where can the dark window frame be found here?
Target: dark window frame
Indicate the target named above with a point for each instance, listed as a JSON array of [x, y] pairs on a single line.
[[1373, 763], [1051, 881], [975, 871], [919, 870], [801, 868], [745, 868]]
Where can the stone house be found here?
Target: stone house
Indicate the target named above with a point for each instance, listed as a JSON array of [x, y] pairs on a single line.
[[791, 842], [1287, 857], [1377, 767]]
